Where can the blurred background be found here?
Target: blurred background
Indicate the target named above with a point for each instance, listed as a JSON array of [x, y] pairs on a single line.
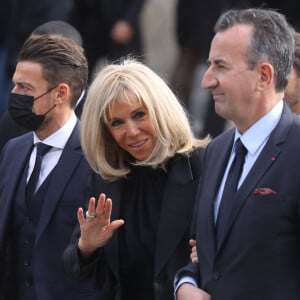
[[170, 36]]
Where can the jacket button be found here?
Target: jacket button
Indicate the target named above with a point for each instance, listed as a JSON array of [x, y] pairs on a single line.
[[216, 275], [26, 263]]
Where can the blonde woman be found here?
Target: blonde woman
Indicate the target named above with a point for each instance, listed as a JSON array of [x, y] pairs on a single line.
[[137, 138]]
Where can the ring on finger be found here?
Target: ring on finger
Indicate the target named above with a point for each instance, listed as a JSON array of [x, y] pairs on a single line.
[[89, 217]]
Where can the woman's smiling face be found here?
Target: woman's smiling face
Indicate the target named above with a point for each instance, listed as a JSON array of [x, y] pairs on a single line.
[[131, 127]]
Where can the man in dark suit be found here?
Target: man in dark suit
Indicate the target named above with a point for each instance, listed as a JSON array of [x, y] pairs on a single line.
[[248, 244], [50, 76]]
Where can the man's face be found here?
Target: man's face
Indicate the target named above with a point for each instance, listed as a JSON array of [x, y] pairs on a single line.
[[292, 91], [232, 83], [28, 80]]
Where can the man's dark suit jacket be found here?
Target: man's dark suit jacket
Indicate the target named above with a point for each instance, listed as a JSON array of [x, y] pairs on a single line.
[[67, 192], [259, 255], [172, 248]]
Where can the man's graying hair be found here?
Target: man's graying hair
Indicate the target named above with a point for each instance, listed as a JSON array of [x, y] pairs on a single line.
[[272, 40], [296, 62]]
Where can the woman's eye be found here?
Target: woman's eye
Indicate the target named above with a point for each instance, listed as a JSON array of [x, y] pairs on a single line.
[[139, 114], [115, 123]]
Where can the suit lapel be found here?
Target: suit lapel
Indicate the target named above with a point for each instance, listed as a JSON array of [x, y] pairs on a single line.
[[263, 163], [212, 178], [18, 163], [63, 171], [261, 166], [176, 208], [14, 173]]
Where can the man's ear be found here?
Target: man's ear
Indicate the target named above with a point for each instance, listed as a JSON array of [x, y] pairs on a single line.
[[63, 93], [265, 76]]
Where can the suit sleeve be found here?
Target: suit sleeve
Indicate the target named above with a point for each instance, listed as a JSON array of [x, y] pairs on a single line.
[[200, 157], [75, 267], [191, 270], [96, 268]]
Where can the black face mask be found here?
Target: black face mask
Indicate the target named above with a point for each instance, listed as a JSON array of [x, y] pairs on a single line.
[[20, 108]]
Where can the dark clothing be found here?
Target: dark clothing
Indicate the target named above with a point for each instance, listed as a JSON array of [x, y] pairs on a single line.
[[290, 8], [141, 205], [25, 223], [140, 260], [194, 24], [258, 255], [42, 232], [195, 21], [94, 19], [18, 18]]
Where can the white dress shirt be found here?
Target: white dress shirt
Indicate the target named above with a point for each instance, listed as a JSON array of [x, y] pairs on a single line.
[[254, 139], [57, 141]]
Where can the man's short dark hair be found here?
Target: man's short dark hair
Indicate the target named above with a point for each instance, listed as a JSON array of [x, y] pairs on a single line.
[[62, 60]]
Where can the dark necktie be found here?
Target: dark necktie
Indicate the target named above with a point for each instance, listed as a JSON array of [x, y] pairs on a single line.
[[230, 188], [41, 150]]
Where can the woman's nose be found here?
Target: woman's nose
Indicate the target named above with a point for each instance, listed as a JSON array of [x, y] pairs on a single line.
[[132, 128]]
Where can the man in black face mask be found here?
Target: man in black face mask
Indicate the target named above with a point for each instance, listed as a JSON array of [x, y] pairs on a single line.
[[43, 173], [21, 109], [9, 127]]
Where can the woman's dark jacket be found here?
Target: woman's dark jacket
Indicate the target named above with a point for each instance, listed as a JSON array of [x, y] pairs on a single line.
[[172, 249]]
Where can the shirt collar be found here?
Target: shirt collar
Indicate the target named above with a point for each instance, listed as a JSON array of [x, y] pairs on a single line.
[[260, 131], [60, 137]]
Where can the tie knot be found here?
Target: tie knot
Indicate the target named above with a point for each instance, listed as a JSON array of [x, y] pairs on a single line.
[[240, 149], [42, 149]]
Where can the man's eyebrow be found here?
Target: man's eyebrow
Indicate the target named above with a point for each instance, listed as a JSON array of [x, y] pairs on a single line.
[[218, 61], [215, 61], [23, 84]]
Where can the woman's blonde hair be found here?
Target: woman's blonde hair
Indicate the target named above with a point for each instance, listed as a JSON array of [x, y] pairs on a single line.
[[118, 81]]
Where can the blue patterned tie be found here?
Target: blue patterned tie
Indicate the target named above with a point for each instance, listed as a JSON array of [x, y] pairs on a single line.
[[41, 150], [230, 189]]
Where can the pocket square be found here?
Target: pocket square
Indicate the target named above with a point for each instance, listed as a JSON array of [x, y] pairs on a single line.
[[264, 191]]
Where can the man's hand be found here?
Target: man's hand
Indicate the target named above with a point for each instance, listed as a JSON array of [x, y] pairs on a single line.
[[193, 255], [188, 291]]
